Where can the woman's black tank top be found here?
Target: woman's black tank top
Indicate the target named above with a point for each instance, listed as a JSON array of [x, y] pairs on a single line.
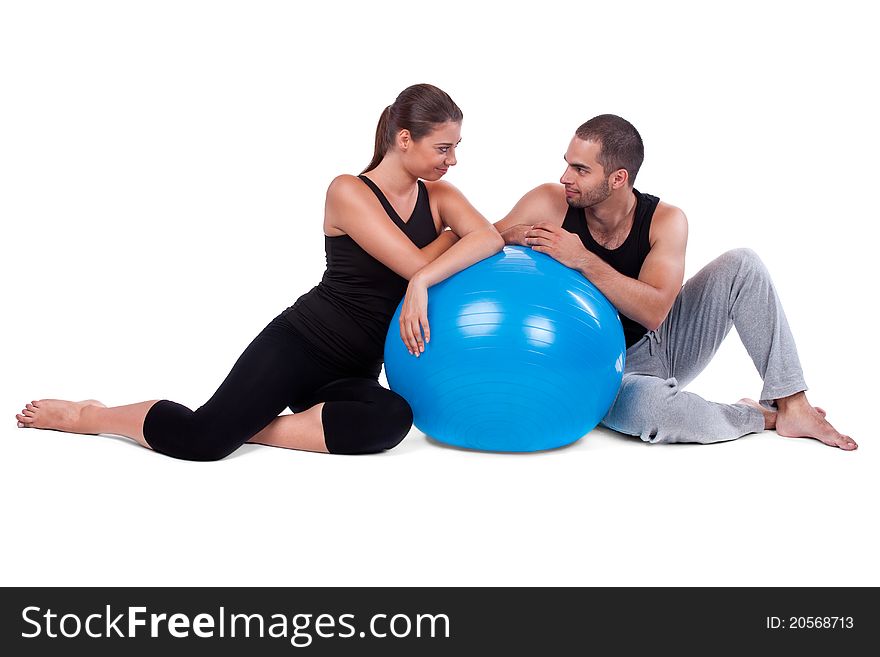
[[346, 316], [628, 257]]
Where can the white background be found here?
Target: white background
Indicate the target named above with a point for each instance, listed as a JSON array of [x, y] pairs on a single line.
[[162, 176]]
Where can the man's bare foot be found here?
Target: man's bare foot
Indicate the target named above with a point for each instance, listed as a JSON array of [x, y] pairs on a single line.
[[56, 414], [769, 415], [797, 419]]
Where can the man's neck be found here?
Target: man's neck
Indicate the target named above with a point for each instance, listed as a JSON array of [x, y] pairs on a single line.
[[612, 214]]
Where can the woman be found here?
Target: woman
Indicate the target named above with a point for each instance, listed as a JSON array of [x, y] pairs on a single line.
[[322, 356]]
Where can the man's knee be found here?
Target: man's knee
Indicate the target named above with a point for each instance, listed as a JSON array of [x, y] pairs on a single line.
[[742, 261], [646, 407], [662, 420]]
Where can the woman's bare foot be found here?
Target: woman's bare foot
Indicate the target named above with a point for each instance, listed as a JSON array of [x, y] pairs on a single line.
[[56, 414], [797, 419]]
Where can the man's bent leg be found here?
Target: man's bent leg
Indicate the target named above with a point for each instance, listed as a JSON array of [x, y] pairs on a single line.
[[658, 411], [735, 289]]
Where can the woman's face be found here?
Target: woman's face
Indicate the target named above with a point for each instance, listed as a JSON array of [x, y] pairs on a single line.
[[431, 156]]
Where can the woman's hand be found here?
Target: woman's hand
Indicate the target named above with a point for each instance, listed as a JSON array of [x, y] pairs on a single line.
[[414, 316]]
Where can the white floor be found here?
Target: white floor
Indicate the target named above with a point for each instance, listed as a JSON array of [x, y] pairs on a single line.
[[608, 510], [162, 178]]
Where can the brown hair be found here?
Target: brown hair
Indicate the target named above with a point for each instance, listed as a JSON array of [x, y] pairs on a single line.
[[621, 144], [419, 109]]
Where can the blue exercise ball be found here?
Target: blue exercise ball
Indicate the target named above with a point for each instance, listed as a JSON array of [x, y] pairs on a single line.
[[525, 354]]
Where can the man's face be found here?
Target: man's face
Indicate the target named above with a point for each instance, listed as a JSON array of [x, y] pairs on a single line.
[[585, 181]]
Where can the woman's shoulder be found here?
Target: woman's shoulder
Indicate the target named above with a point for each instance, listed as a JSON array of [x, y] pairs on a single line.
[[345, 183], [347, 197], [438, 189]]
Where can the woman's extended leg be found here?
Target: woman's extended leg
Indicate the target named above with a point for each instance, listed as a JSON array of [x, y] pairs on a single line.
[[274, 368], [89, 416], [331, 414]]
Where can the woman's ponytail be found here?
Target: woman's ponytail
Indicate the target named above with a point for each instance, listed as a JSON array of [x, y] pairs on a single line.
[[382, 140]]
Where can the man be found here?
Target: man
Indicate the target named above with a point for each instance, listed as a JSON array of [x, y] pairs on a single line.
[[632, 247]]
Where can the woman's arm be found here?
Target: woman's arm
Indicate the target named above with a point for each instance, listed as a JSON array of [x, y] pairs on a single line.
[[352, 208], [473, 237], [478, 240], [440, 245]]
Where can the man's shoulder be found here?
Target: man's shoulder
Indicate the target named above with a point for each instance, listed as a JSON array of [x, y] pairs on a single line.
[[548, 195], [548, 191], [667, 213], [669, 221]]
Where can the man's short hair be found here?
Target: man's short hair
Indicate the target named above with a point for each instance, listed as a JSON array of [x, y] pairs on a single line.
[[620, 144]]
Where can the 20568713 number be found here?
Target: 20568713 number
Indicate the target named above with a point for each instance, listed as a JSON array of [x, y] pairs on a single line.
[[820, 622]]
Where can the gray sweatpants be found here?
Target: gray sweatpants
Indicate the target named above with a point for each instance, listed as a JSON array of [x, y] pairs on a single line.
[[733, 290]]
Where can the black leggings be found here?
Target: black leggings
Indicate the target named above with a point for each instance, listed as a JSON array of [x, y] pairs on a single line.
[[279, 370]]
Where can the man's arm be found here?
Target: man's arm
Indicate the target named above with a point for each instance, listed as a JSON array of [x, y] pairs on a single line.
[[648, 299], [545, 203], [540, 204]]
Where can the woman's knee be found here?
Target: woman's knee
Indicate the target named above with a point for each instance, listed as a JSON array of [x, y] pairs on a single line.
[[395, 423], [368, 426], [195, 446], [174, 430], [197, 442]]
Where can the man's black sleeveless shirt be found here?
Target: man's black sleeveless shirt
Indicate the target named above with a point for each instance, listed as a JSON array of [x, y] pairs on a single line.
[[346, 316], [628, 257]]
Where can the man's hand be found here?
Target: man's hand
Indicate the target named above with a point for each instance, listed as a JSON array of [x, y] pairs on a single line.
[[557, 243], [516, 234]]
